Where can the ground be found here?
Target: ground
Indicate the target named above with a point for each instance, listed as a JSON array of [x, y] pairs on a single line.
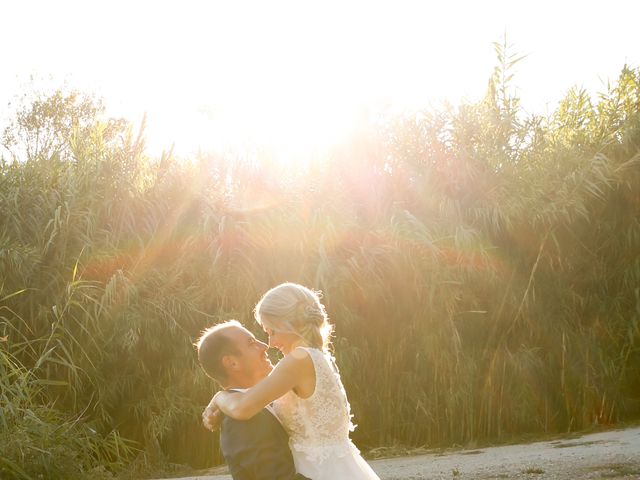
[[613, 454]]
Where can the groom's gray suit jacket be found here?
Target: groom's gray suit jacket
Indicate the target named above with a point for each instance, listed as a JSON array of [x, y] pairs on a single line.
[[257, 449]]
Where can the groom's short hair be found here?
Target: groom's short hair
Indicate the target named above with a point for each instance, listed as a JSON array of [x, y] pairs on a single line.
[[212, 345]]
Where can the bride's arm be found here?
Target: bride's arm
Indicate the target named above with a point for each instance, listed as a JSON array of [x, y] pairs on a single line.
[[288, 374]]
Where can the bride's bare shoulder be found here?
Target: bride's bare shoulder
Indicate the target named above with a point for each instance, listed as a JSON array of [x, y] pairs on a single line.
[[299, 358], [299, 353]]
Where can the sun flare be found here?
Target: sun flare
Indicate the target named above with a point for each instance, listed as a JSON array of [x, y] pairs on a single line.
[[293, 76], [292, 123]]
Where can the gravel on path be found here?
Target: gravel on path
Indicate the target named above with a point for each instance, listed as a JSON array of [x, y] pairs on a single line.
[[613, 454]]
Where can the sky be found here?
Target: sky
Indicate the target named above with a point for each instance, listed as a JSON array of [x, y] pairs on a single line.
[[292, 74]]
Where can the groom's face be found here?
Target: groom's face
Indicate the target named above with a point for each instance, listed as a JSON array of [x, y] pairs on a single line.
[[251, 362]]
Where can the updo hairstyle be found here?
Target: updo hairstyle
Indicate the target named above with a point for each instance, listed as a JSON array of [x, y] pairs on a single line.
[[294, 308]]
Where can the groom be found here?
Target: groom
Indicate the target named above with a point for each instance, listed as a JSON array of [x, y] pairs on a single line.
[[258, 448]]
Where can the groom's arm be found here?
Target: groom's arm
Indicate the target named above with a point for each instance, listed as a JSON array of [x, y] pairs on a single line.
[[257, 449]]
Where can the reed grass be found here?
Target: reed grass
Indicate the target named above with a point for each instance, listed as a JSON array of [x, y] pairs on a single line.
[[482, 268]]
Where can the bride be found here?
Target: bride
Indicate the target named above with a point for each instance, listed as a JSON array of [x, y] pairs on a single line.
[[305, 387]]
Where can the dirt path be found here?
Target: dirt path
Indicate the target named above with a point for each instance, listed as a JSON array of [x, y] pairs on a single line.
[[613, 454]]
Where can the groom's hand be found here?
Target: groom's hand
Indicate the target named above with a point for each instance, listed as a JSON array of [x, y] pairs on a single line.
[[212, 417]]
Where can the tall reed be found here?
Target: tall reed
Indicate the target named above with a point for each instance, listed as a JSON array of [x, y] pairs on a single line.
[[481, 267]]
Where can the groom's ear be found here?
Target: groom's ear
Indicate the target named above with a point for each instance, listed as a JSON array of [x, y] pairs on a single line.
[[229, 362]]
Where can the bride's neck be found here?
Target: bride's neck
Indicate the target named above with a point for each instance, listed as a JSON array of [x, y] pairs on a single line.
[[297, 343]]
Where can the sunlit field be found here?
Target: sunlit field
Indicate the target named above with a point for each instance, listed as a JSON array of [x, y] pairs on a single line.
[[481, 265]]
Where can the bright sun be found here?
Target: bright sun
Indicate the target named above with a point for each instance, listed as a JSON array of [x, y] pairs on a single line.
[[290, 125], [295, 77], [295, 89]]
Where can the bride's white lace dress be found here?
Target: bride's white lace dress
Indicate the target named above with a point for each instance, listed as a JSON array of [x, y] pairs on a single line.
[[319, 427]]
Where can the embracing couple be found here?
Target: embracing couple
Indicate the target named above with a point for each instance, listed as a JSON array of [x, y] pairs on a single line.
[[291, 421]]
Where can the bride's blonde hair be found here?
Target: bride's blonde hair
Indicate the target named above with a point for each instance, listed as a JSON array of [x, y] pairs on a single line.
[[294, 308]]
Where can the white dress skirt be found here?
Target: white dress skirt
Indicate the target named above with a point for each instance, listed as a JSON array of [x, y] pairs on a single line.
[[319, 427]]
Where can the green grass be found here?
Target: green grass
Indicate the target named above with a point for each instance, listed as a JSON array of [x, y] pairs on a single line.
[[618, 470], [481, 267], [533, 471]]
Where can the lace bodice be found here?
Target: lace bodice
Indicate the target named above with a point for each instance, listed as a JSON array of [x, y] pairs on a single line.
[[318, 426]]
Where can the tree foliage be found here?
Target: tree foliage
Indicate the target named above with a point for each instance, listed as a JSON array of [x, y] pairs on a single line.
[[481, 267]]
